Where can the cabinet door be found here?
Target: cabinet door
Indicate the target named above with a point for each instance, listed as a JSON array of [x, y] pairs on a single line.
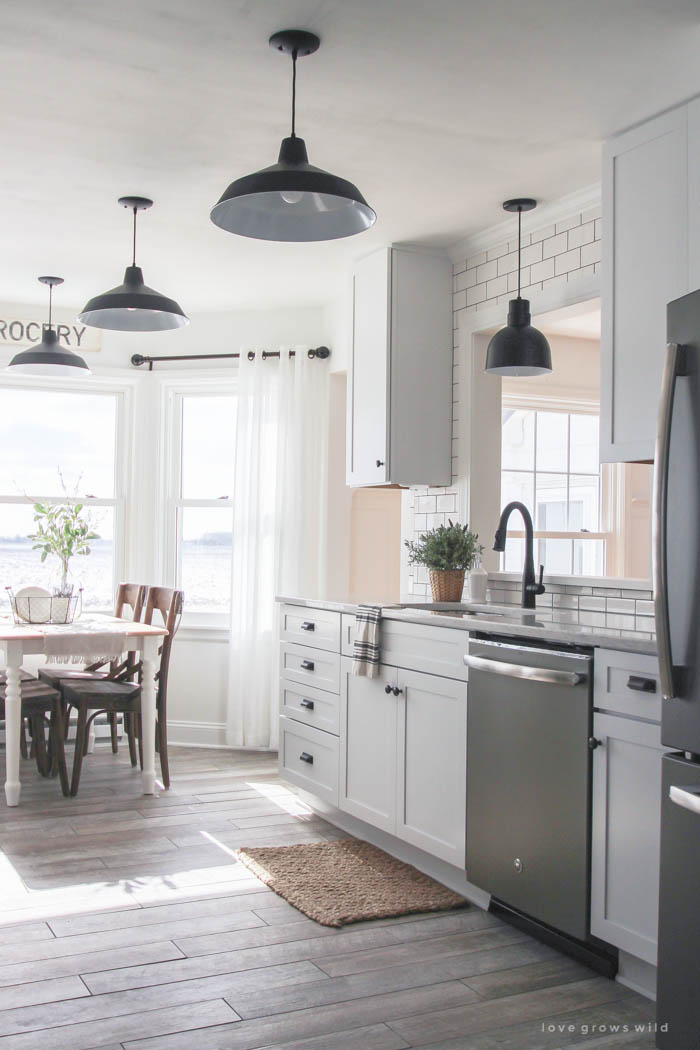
[[368, 747], [625, 838], [368, 388], [432, 764], [645, 265]]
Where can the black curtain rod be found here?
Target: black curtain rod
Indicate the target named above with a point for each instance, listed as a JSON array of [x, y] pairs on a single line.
[[137, 360]]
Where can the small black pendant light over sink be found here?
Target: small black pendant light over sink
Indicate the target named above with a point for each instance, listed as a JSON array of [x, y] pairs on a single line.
[[133, 306], [292, 200], [519, 349], [49, 358]]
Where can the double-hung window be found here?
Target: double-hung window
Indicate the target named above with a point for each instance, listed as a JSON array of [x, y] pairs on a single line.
[[549, 462], [60, 446], [203, 428]]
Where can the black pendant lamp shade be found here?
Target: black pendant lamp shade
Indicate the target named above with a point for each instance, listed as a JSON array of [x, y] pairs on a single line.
[[519, 349], [292, 200], [132, 306], [49, 358]]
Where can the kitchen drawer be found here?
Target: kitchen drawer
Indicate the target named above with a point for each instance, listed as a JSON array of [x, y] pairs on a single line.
[[311, 706], [627, 684], [417, 646], [310, 667], [319, 628], [309, 758]]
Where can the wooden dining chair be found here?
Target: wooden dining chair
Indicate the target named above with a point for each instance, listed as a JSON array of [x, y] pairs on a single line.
[[130, 604], [93, 697], [41, 703]]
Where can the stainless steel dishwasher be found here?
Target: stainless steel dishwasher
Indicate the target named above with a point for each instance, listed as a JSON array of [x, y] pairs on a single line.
[[529, 720]]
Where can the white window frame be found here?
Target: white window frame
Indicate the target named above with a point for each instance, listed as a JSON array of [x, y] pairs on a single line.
[[608, 503], [174, 390], [123, 394]]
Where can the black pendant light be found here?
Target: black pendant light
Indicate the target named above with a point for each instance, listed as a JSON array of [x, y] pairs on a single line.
[[49, 358], [133, 306], [519, 349], [292, 200]]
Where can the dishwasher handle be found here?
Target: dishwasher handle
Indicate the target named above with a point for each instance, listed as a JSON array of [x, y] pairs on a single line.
[[533, 674]]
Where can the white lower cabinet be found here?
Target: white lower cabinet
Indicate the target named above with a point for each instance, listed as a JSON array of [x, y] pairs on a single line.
[[368, 725], [403, 757], [625, 840], [432, 764]]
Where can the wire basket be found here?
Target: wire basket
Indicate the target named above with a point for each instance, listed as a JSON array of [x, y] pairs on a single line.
[[45, 608]]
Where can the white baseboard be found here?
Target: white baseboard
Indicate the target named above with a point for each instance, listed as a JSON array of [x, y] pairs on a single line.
[[197, 734], [636, 974]]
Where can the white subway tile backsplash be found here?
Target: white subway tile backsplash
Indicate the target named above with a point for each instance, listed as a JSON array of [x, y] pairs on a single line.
[[542, 271], [487, 271], [645, 608], [622, 623], [591, 604], [551, 256], [498, 286], [555, 246], [476, 294], [533, 254], [590, 253], [582, 235], [567, 261], [620, 605]]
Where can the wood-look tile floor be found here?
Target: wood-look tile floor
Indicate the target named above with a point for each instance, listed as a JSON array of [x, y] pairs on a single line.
[[126, 922]]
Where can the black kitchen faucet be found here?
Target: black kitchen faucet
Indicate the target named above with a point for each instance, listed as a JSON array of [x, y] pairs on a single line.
[[530, 587]]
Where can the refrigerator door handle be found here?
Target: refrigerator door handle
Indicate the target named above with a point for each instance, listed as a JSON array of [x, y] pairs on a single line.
[[688, 799], [659, 517]]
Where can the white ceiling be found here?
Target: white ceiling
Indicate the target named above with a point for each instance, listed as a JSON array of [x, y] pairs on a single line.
[[437, 111]]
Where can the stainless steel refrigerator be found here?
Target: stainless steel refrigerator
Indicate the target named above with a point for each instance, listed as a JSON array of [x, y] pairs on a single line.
[[676, 529]]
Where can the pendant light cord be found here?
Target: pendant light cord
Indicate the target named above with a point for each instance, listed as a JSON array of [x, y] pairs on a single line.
[[294, 92], [133, 263], [520, 222]]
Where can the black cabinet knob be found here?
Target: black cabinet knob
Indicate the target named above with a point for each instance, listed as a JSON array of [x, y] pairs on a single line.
[[396, 691], [307, 665], [308, 704], [306, 757], [380, 462], [593, 743], [387, 689]]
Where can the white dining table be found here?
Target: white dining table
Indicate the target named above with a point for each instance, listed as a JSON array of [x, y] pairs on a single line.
[[18, 641]]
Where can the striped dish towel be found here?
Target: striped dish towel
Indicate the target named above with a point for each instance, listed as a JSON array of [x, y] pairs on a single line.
[[366, 644]]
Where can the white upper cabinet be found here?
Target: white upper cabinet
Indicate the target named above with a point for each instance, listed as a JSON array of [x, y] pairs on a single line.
[[645, 265], [400, 383]]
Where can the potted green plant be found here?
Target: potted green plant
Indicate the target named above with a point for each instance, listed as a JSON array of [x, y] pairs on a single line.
[[447, 552], [63, 530]]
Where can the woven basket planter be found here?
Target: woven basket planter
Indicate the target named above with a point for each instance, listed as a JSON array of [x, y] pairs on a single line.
[[447, 584]]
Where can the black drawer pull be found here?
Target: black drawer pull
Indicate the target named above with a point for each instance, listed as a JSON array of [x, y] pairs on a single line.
[[306, 757], [308, 626], [307, 665], [641, 685], [308, 704], [387, 689], [396, 691]]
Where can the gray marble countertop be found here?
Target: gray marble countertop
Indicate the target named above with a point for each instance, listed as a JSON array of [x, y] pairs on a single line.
[[490, 619]]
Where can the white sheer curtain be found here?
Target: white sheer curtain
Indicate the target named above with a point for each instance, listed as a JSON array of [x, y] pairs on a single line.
[[279, 525]]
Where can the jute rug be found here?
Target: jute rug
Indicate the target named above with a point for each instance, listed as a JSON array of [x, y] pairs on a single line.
[[346, 881]]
